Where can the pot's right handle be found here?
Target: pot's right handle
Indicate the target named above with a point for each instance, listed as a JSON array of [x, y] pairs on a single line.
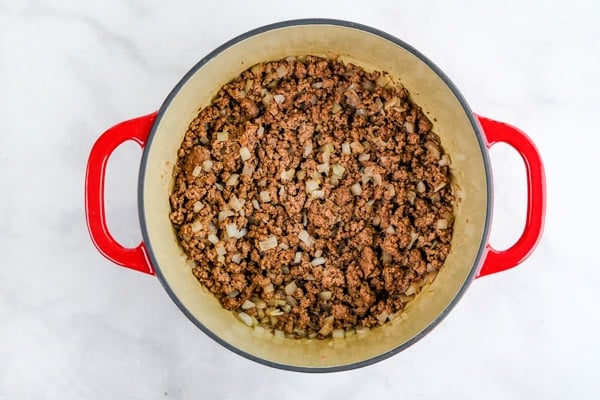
[[500, 260], [137, 130]]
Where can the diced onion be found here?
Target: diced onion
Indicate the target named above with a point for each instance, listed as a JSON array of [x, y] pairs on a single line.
[[410, 291], [288, 175], [346, 148], [444, 161], [232, 180], [317, 85], [196, 226], [241, 233], [281, 71], [409, 126], [318, 253], [268, 244], [247, 305], [317, 261], [390, 229], [269, 288], [300, 175], [290, 288], [265, 196], [232, 230], [337, 334], [279, 98], [311, 185], [307, 149], [325, 295], [235, 203], [260, 132], [198, 206], [236, 258], [298, 257], [245, 153], [323, 168], [421, 187], [338, 170], [224, 215], [364, 157], [222, 136], [441, 223], [439, 187], [246, 318], [336, 108], [377, 179], [255, 204], [413, 239], [220, 250], [207, 165], [196, 172], [356, 189], [305, 237], [317, 194]]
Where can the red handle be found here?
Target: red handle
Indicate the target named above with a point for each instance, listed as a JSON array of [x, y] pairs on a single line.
[[495, 260], [137, 130]]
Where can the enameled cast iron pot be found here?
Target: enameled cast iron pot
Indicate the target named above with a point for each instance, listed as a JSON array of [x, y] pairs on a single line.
[[465, 136]]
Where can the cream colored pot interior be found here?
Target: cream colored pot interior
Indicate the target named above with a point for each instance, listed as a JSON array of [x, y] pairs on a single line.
[[371, 52]]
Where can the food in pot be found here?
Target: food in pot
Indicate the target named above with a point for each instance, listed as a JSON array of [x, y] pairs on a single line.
[[313, 198]]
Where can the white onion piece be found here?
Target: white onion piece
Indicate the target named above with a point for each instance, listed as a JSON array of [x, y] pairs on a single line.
[[247, 305], [325, 295], [255, 204], [346, 148], [279, 98], [444, 161], [281, 71], [337, 334], [288, 175], [356, 189], [317, 194], [318, 253], [220, 250], [317, 261], [323, 168], [222, 136], [409, 126], [298, 257], [364, 157], [268, 244], [196, 226], [265, 196], [232, 180], [214, 239], [198, 206], [261, 131], [246, 318], [305, 237], [338, 170], [245, 153], [311, 185], [232, 230], [441, 223], [336, 108], [290, 288], [235, 203], [390, 229], [236, 258], [224, 215], [421, 187], [307, 149], [413, 239], [196, 172], [207, 165], [317, 85]]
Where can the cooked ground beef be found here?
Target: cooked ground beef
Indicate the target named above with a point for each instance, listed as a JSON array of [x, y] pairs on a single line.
[[313, 197]]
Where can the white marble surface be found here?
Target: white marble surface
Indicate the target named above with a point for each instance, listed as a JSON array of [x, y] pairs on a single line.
[[75, 326]]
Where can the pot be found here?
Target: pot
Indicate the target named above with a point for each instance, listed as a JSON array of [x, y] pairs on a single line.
[[465, 136]]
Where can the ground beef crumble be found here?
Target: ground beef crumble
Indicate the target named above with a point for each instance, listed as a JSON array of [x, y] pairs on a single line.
[[313, 198]]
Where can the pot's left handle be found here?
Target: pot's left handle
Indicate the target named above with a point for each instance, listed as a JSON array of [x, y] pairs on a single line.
[[137, 130]]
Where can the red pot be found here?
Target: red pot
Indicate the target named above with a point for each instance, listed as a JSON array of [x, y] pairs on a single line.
[[465, 136]]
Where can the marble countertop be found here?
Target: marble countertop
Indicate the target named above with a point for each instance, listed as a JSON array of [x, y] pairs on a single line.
[[75, 326]]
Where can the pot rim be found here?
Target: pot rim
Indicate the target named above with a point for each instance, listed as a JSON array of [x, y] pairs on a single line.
[[299, 22]]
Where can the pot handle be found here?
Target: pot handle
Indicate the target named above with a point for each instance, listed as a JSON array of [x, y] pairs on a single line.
[[500, 260], [137, 130]]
